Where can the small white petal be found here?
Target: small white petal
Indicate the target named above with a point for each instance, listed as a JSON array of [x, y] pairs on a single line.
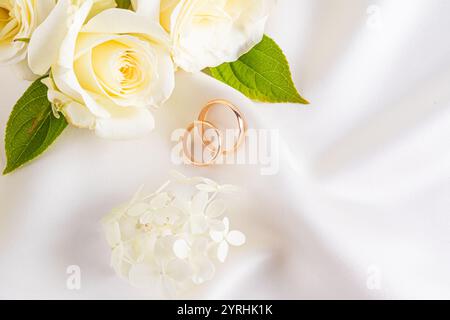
[[179, 176], [138, 209], [117, 260], [112, 233], [136, 195], [149, 242], [226, 223], [114, 215], [199, 224], [236, 238], [168, 215], [181, 249], [222, 251], [217, 236], [210, 182], [143, 276], [199, 202], [164, 248], [215, 209], [168, 287], [228, 188], [206, 187], [204, 270], [178, 270], [217, 225], [159, 201], [200, 246], [163, 187], [147, 218], [167, 231], [137, 248], [128, 227]]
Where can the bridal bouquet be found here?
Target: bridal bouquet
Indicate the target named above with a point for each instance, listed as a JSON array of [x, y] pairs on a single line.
[[103, 64]]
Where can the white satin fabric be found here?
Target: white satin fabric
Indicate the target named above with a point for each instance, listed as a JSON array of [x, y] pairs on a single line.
[[359, 209]]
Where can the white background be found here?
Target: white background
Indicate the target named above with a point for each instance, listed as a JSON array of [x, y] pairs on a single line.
[[363, 192]]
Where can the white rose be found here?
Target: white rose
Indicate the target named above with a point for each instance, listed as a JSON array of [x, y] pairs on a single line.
[[105, 73], [18, 20], [207, 33]]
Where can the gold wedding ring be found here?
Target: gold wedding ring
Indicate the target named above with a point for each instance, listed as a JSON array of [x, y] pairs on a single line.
[[188, 150], [204, 125], [240, 120]]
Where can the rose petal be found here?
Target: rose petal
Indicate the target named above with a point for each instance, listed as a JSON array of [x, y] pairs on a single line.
[[240, 26], [146, 8], [130, 123], [46, 40], [24, 72], [101, 5], [126, 22], [78, 115], [43, 9], [167, 7]]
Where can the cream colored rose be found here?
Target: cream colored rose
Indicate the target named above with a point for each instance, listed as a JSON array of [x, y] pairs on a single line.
[[107, 71], [18, 20], [207, 33]]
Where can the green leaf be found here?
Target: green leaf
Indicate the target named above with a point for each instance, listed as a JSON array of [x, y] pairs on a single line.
[[123, 4], [31, 127], [262, 74]]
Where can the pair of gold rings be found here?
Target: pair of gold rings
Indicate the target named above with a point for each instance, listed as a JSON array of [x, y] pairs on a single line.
[[211, 138]]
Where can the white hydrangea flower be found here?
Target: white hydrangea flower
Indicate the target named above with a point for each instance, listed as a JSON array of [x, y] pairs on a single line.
[[170, 240], [225, 238], [205, 184]]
